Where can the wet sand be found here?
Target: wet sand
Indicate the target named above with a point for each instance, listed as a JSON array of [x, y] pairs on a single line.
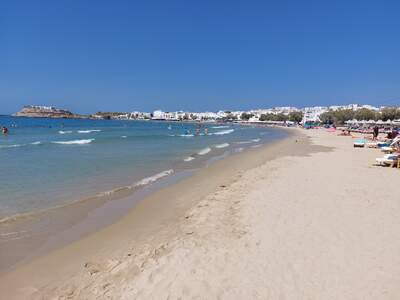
[[305, 218]]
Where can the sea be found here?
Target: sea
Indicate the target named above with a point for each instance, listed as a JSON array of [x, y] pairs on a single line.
[[48, 162], [47, 166]]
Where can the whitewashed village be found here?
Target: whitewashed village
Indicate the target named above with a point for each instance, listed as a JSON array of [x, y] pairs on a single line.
[[286, 116], [276, 115]]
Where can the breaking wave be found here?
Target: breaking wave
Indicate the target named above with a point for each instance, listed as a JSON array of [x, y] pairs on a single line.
[[204, 151], [224, 145], [218, 127], [89, 131], [222, 132], [74, 142], [186, 135], [148, 180], [10, 146]]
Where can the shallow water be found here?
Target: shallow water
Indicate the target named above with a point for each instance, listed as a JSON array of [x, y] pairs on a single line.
[[49, 162]]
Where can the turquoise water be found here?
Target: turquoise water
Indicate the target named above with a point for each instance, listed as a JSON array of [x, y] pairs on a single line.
[[48, 162]]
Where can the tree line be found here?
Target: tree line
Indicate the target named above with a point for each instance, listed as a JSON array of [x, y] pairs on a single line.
[[342, 115], [295, 116]]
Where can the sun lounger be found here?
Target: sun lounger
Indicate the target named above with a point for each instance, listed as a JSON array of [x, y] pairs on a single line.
[[387, 149], [388, 160], [359, 143]]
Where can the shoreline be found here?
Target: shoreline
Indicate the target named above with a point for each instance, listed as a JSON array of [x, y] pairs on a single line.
[[286, 220], [33, 234], [154, 207]]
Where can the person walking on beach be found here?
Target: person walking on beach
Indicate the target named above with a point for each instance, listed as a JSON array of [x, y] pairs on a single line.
[[375, 133]]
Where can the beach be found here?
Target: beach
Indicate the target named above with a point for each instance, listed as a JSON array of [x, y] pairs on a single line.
[[307, 217]]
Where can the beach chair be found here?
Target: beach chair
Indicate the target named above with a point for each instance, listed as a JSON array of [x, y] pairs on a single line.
[[388, 160], [389, 147], [360, 143]]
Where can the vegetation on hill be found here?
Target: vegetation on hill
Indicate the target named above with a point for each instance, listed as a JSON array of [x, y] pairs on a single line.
[[342, 115]]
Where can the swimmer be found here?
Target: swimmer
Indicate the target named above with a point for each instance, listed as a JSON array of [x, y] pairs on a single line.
[[4, 130]]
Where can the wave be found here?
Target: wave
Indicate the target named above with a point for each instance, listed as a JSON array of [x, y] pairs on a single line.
[[189, 158], [10, 146], [89, 131], [151, 179], [218, 127], [224, 145], [244, 142], [248, 142], [74, 142], [64, 132], [186, 135], [222, 132], [204, 151], [256, 146], [139, 184], [19, 145], [124, 136]]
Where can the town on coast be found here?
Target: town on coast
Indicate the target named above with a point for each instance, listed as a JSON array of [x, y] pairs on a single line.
[[278, 115]]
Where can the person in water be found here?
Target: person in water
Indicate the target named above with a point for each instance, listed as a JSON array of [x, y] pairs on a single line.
[[4, 130]]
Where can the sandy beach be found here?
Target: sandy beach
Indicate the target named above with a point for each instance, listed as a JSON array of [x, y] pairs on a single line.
[[308, 217]]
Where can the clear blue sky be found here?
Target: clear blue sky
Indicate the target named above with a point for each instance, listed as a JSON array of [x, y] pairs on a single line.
[[197, 55]]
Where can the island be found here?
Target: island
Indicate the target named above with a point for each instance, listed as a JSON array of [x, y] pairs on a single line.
[[39, 111]]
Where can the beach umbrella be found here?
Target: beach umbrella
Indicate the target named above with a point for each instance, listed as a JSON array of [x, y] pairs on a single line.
[[371, 121], [389, 122], [379, 122]]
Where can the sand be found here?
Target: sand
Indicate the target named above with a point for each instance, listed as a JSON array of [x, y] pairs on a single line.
[[308, 218]]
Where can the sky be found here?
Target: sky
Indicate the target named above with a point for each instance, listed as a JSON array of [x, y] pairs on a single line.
[[89, 56]]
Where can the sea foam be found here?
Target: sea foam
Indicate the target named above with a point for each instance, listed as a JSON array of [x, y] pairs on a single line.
[[204, 151], [244, 142], [219, 127], [189, 158], [222, 132], [74, 142], [186, 135], [89, 131], [224, 145], [151, 179], [64, 132], [10, 146]]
